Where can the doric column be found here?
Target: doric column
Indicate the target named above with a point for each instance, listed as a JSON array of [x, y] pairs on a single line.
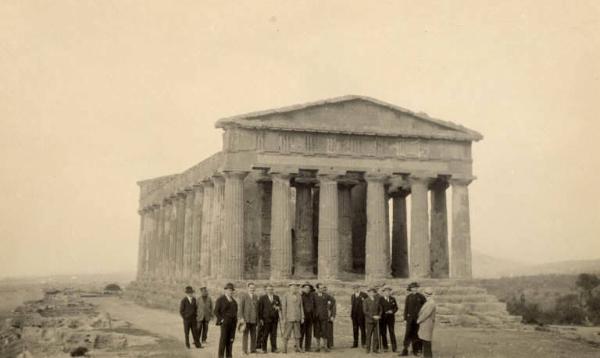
[[460, 263], [345, 227], [305, 258], [159, 241], [141, 245], [420, 265], [359, 225], [196, 229], [440, 267], [187, 233], [399, 234], [265, 186], [328, 227], [149, 241], [164, 239], [233, 228], [281, 236], [207, 217], [154, 237], [216, 240], [180, 235], [377, 264], [172, 264]]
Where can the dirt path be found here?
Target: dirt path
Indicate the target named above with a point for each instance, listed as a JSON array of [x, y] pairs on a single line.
[[450, 342]]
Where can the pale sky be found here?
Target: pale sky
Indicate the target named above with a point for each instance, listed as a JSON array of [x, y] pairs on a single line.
[[95, 95]]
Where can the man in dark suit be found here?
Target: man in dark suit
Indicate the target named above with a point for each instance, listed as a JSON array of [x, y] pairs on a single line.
[[323, 306], [357, 315], [226, 315], [268, 315], [308, 305], [412, 305], [389, 308], [188, 310], [372, 314], [332, 314]]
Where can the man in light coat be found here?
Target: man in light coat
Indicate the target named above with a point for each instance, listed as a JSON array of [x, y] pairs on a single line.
[[292, 315], [204, 313], [248, 315], [426, 322]]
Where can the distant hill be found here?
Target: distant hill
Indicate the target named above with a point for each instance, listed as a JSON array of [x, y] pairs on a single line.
[[486, 266]]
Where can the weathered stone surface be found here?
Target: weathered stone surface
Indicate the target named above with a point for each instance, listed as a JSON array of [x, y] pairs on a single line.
[[233, 228], [216, 240], [461, 232], [377, 256], [328, 266], [305, 252], [207, 217], [420, 265], [281, 236], [258, 227], [440, 261]]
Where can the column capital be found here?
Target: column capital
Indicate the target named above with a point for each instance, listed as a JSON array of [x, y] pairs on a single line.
[[207, 182], [461, 180], [237, 174], [280, 176], [198, 187], [439, 183], [420, 179], [218, 179], [376, 177], [327, 177]]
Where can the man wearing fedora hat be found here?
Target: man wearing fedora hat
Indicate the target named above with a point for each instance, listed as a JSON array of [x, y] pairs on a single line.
[[248, 314], [205, 313], [357, 315], [226, 314], [188, 309], [386, 325], [372, 313], [412, 305], [308, 306]]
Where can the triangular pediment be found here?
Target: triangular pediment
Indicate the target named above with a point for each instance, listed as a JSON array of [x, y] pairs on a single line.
[[352, 115]]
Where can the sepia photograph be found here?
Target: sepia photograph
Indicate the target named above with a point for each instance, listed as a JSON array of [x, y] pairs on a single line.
[[217, 179]]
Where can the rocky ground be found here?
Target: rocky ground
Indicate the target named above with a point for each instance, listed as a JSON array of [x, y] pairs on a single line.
[[62, 323]]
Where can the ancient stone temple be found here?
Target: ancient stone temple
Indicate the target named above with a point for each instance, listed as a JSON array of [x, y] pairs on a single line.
[[349, 187]]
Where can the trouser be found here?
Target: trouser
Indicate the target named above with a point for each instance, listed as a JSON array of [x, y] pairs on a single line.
[[250, 330], [329, 334], [411, 336], [372, 336], [203, 330], [358, 325], [306, 333], [320, 327], [289, 329], [227, 338], [387, 325], [427, 353], [269, 330], [189, 324]]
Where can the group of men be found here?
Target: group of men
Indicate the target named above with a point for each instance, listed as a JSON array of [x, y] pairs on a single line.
[[303, 312], [374, 314]]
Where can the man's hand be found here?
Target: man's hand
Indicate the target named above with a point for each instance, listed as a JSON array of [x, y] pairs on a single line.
[[241, 320], [331, 319], [376, 318], [389, 311], [302, 321]]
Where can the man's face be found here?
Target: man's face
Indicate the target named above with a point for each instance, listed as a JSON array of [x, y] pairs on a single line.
[[294, 289], [251, 288], [414, 289], [386, 293], [306, 289], [356, 289], [270, 290], [203, 292], [228, 291], [371, 293], [324, 288]]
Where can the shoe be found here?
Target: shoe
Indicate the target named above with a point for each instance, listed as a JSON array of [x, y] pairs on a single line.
[[354, 346], [404, 353]]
